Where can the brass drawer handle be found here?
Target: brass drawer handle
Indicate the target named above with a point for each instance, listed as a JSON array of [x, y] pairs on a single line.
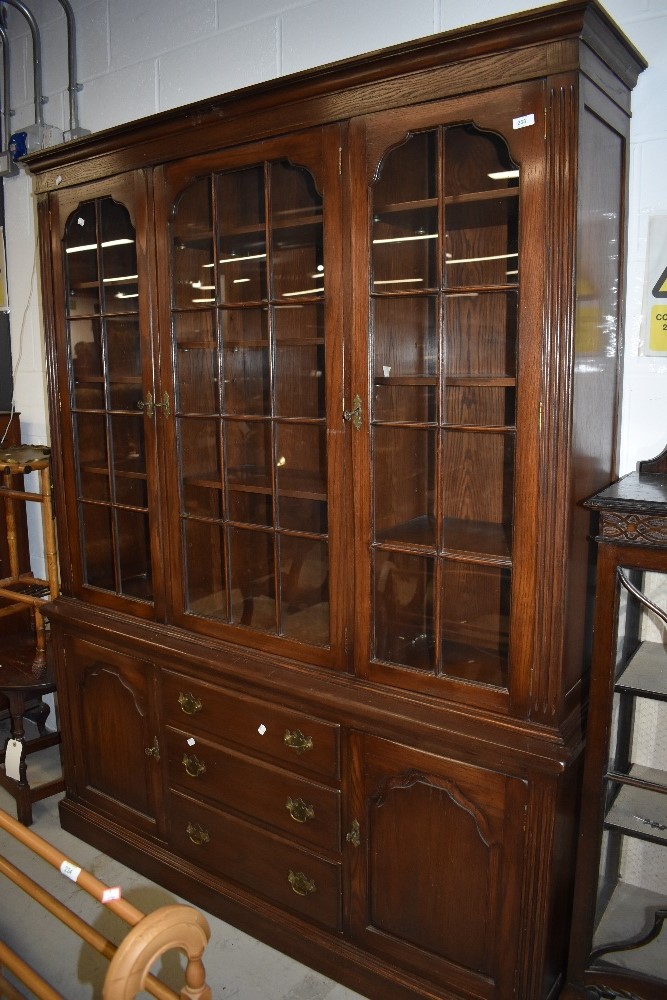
[[299, 810], [193, 765], [297, 741], [197, 834], [301, 884], [189, 703]]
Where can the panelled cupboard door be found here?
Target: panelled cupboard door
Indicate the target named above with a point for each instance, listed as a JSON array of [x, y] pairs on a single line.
[[445, 384], [250, 257], [110, 698], [102, 280], [436, 872]]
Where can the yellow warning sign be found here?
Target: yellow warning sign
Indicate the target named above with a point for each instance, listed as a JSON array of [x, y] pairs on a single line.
[[655, 289], [657, 339], [660, 287]]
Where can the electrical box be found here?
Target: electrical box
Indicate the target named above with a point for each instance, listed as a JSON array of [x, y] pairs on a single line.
[[32, 138]]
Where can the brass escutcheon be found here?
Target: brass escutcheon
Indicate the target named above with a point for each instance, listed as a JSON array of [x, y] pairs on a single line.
[[189, 703], [297, 741], [301, 884], [197, 834], [299, 810], [353, 837], [193, 766], [153, 750]]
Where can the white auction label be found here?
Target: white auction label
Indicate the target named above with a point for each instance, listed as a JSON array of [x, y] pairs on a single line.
[[70, 871], [523, 121], [13, 759]]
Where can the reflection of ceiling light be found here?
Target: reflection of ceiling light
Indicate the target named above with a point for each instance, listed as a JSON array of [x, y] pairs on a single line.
[[206, 288], [240, 281], [203, 300], [307, 291], [127, 295], [504, 175], [233, 260], [397, 281], [474, 260], [125, 280], [93, 246], [511, 272], [408, 239]]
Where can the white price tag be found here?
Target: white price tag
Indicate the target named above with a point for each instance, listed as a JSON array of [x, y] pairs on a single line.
[[110, 894], [523, 121], [70, 871], [13, 759]]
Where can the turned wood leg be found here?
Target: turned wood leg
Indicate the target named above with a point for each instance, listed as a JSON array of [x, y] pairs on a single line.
[[22, 792]]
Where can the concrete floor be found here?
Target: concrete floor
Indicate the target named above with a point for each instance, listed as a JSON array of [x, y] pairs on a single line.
[[237, 966]]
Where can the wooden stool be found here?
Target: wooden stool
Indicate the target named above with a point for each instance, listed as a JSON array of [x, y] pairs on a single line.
[[20, 687], [26, 672], [19, 588]]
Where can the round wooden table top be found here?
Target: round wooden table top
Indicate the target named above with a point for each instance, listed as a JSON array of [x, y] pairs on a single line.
[[17, 653]]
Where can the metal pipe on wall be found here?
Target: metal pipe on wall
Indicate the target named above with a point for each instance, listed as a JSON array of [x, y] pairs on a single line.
[[37, 57], [75, 130]]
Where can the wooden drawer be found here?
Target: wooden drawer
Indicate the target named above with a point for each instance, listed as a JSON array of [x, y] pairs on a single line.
[[266, 864], [302, 809], [287, 737]]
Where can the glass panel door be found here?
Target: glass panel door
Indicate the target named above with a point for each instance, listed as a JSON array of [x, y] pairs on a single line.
[[104, 343], [248, 321], [443, 314]]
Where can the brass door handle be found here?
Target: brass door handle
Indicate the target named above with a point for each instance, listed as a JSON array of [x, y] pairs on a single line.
[[193, 766], [301, 884], [189, 703], [353, 416], [149, 405], [297, 741]]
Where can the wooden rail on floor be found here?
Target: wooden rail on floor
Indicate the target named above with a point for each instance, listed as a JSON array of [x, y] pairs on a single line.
[[175, 926]]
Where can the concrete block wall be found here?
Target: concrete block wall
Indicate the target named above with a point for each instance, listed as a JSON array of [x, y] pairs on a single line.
[[137, 57]]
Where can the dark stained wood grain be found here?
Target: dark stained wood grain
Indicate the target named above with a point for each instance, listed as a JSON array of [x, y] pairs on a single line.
[[370, 566]]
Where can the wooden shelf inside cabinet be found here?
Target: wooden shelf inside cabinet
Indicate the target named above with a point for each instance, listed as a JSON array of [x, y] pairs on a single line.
[[296, 484], [640, 776], [646, 673], [483, 381], [629, 912], [417, 380], [201, 239], [474, 540], [403, 207], [129, 468], [639, 812]]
